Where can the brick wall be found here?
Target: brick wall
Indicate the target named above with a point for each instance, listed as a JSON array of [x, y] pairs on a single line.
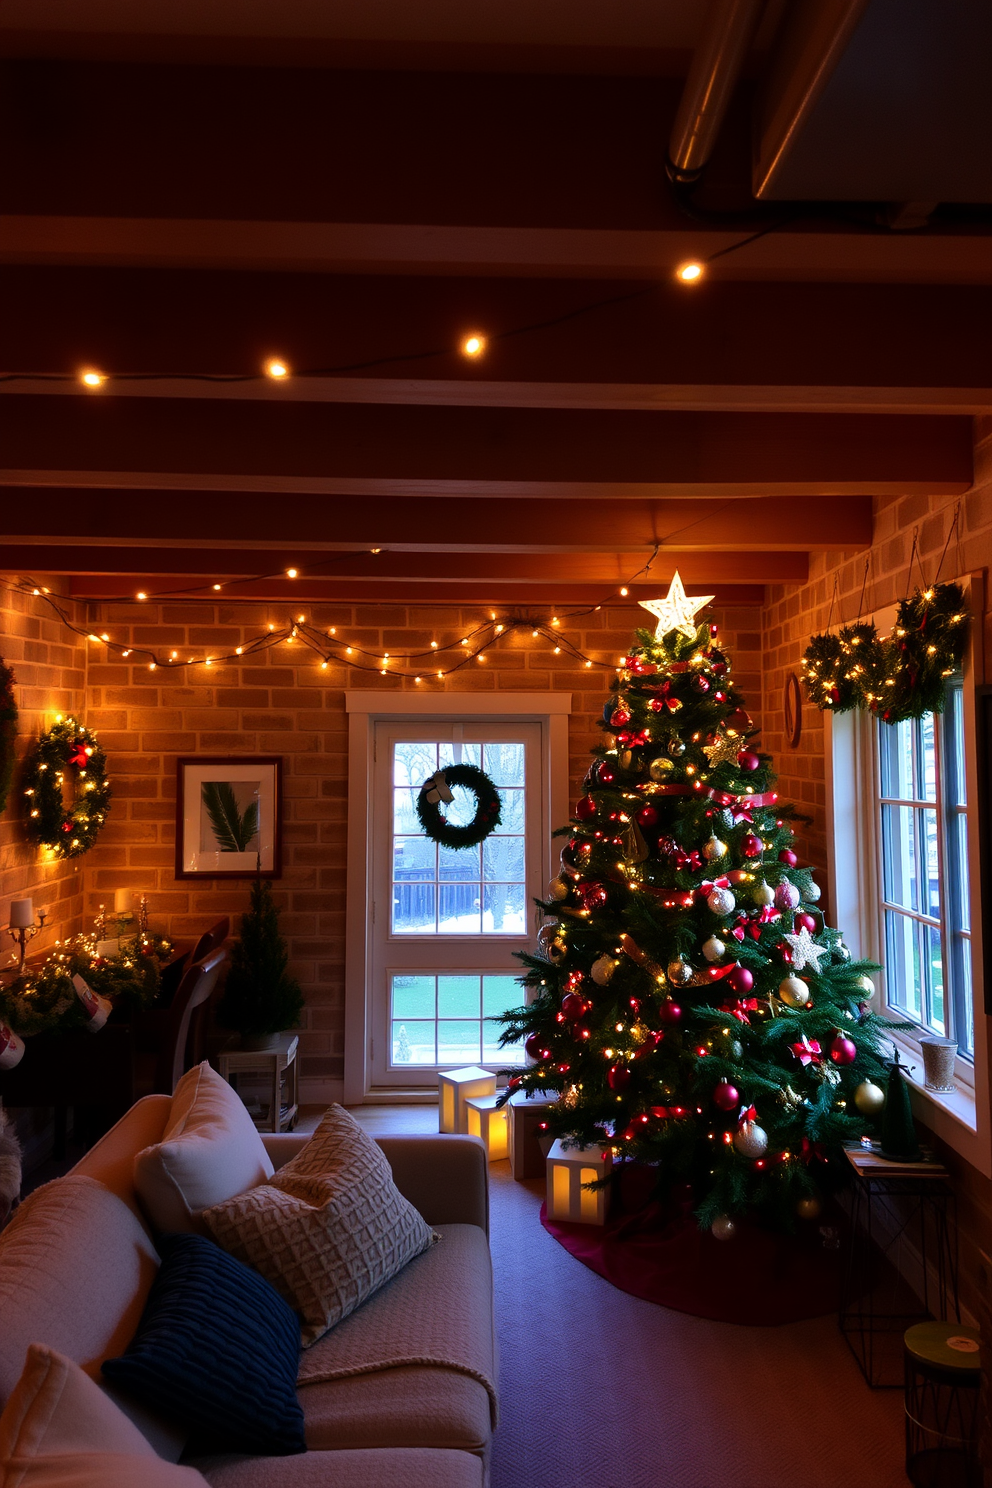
[[791, 616], [49, 664]]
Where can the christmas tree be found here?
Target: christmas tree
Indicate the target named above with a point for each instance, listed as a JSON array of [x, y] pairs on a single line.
[[260, 997], [689, 1007]]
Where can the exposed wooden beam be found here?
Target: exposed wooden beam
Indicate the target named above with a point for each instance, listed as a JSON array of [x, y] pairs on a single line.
[[395, 450], [170, 526]]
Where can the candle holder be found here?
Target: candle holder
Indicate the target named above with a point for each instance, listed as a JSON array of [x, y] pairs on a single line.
[[21, 934]]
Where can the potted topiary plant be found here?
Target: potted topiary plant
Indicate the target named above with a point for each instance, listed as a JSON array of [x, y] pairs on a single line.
[[260, 998]]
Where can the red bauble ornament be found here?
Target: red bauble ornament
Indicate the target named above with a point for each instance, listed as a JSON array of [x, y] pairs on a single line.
[[748, 760], [714, 630], [739, 980], [751, 846], [843, 1050], [700, 683], [592, 895], [788, 857], [648, 816], [585, 808], [619, 717], [804, 922], [573, 1005], [604, 773], [726, 1097], [739, 720], [535, 1046], [669, 1012], [618, 1077]]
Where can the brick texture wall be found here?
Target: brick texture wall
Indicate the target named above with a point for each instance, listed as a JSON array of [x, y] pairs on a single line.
[[49, 665], [278, 702], [792, 615]]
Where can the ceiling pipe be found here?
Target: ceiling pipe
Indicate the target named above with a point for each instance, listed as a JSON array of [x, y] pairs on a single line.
[[716, 66]]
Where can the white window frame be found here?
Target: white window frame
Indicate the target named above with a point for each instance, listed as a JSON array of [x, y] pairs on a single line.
[[365, 708], [960, 1117]]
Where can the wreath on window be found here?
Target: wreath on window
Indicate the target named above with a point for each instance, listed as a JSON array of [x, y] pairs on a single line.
[[8, 730], [437, 789], [68, 754]]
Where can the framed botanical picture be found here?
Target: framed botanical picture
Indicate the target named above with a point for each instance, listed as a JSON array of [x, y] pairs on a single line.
[[228, 816]]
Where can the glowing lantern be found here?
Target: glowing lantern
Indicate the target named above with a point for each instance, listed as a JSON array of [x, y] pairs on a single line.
[[568, 1171], [455, 1087]]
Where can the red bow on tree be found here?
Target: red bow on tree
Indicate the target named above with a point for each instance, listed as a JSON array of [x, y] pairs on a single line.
[[748, 1113], [768, 916], [741, 1008], [708, 884], [690, 860], [740, 813], [641, 737], [664, 699], [807, 1051], [79, 757], [813, 1150]]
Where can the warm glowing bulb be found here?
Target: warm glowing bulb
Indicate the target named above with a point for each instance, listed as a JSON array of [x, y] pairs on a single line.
[[416, 679], [141, 594], [92, 379], [291, 573], [301, 619], [473, 345], [588, 663], [481, 657], [238, 650], [277, 368], [433, 645], [689, 273], [323, 666], [216, 586], [624, 592]]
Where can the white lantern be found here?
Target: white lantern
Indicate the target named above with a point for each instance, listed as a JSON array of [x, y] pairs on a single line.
[[524, 1135], [483, 1120], [569, 1170], [455, 1087]]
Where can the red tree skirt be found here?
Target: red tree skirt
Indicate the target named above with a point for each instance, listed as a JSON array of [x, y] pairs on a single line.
[[758, 1278]]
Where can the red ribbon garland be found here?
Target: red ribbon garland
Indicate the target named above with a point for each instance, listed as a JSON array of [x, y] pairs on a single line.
[[723, 882]]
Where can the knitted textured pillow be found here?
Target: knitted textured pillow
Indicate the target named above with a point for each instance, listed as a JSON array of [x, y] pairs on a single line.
[[328, 1229], [218, 1350]]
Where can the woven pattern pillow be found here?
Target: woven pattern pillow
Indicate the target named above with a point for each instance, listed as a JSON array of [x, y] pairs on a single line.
[[328, 1229]]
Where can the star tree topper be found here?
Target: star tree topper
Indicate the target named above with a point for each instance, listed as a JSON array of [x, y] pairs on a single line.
[[677, 611], [804, 951]]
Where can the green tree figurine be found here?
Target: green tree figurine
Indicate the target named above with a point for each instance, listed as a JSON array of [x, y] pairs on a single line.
[[260, 997]]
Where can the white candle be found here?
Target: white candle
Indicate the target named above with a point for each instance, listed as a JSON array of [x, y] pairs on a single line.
[[21, 913], [122, 901]]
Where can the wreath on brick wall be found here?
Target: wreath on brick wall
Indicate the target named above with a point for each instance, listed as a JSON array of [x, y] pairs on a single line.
[[488, 806], [8, 730], [66, 761]]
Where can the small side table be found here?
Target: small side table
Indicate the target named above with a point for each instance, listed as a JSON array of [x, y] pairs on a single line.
[[279, 1063], [875, 1310], [943, 1406]]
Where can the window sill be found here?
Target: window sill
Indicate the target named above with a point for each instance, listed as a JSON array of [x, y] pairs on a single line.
[[959, 1104]]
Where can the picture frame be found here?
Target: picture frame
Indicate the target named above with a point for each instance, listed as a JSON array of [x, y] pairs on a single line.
[[228, 816]]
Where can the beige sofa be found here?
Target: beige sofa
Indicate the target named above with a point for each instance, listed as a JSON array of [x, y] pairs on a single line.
[[399, 1393]]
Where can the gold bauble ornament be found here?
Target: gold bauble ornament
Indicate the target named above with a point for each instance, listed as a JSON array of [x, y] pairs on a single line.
[[602, 970], [679, 972], [660, 768], [865, 986], [723, 1227], [557, 950], [714, 849], [793, 992], [713, 948], [869, 1098], [809, 1207], [557, 889]]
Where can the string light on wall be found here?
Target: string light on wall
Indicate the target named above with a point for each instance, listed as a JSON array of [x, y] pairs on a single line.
[[473, 345], [276, 368], [690, 273]]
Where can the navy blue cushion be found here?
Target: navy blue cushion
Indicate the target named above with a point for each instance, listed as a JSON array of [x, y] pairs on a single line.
[[218, 1350]]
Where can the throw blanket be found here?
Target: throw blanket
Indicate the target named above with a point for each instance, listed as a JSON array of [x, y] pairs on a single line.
[[438, 1313]]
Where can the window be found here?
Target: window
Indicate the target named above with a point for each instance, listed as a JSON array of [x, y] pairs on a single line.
[[923, 871]]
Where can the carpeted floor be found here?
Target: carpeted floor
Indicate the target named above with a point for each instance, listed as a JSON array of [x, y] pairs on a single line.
[[602, 1390]]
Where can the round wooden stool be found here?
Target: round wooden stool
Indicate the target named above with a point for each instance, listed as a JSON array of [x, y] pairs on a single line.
[[943, 1416]]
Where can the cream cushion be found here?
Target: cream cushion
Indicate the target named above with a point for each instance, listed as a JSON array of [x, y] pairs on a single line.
[[58, 1430], [210, 1151], [329, 1229]]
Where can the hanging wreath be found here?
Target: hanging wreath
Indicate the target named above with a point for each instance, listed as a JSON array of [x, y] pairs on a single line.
[[926, 646], [488, 806], [8, 730], [68, 754]]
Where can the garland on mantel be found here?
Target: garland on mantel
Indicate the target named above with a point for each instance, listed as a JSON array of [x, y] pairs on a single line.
[[44, 1000], [898, 678]]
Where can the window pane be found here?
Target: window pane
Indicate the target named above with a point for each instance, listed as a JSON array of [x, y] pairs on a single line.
[[512, 811], [405, 811], [935, 972], [955, 704], [459, 1042], [503, 859], [505, 763], [900, 878], [500, 993], [961, 859], [928, 758], [509, 1057], [466, 754], [504, 909], [458, 996], [931, 853], [902, 964], [966, 1033], [460, 812], [459, 909], [413, 1043], [895, 751], [413, 858], [413, 763], [413, 997], [458, 866], [414, 908]]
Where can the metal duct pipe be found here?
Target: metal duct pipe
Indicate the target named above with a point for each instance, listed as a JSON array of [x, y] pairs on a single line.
[[716, 66]]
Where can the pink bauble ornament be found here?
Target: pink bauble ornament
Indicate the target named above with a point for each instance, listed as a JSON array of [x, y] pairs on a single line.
[[748, 760], [804, 922], [669, 1011], [843, 1050], [726, 1097], [585, 808], [535, 1046], [751, 846], [739, 980], [618, 1077], [788, 857], [786, 896]]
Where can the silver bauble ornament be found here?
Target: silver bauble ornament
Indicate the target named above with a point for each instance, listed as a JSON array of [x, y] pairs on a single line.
[[736, 1049], [813, 892], [713, 948], [869, 1098], [679, 972], [714, 849], [751, 1140], [557, 889], [793, 992], [721, 901], [723, 1227], [676, 747], [602, 970], [865, 986], [545, 936], [764, 893], [660, 768], [809, 1207]]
